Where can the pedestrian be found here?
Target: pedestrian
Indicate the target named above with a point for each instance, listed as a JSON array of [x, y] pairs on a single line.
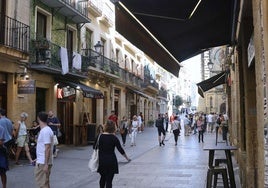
[[224, 125], [3, 158], [159, 123], [210, 122], [44, 152], [200, 127], [22, 138], [124, 129], [140, 119], [113, 117], [108, 164], [54, 123], [176, 128], [186, 123], [134, 130], [166, 118], [8, 129]]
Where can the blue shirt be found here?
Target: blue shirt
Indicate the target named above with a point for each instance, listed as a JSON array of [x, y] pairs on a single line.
[[8, 128]]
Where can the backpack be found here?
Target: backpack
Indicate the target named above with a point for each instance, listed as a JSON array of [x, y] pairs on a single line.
[[218, 121], [159, 123]]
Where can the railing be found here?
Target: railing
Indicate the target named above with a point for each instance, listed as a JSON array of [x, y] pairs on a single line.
[[150, 82], [47, 53], [100, 62], [14, 34], [81, 6], [163, 93]]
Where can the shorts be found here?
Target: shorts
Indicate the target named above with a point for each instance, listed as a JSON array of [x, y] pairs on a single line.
[[161, 130], [22, 141], [41, 177]]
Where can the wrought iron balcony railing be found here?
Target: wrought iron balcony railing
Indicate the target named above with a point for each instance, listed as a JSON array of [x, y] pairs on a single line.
[[46, 53], [77, 11], [14, 34], [100, 62], [163, 93], [150, 82]]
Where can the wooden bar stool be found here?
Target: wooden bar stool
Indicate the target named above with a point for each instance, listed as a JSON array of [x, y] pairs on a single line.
[[214, 171]]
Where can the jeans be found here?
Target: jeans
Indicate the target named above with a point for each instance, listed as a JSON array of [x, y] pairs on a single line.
[[200, 134]]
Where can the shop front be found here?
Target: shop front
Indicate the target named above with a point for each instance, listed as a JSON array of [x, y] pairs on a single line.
[[77, 106]]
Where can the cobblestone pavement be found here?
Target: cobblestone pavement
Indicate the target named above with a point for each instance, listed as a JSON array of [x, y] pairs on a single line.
[[152, 166]]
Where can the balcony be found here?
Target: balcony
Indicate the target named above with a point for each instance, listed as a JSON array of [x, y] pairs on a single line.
[[100, 64], [150, 85], [76, 11], [14, 38], [163, 94], [45, 57], [95, 7]]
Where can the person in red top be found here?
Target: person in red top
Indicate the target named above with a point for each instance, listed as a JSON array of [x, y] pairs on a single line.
[[113, 117]]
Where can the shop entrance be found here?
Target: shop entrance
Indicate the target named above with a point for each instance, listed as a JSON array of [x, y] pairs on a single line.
[[40, 100], [3, 92], [65, 115]]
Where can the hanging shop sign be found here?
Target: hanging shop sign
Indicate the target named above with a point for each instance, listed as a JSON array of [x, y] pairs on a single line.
[[26, 86], [65, 92]]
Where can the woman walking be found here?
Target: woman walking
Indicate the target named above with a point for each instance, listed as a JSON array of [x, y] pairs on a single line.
[[124, 129], [134, 130], [200, 127], [176, 127], [108, 165], [21, 133]]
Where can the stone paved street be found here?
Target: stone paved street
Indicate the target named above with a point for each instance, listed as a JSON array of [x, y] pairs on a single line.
[[169, 166]]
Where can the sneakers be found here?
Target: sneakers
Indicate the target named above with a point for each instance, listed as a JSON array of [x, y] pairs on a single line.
[[56, 153]]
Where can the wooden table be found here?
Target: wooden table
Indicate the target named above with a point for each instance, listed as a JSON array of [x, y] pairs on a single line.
[[227, 149]]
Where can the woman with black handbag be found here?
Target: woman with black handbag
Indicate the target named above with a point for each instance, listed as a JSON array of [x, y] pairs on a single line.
[[176, 128], [108, 165], [124, 129]]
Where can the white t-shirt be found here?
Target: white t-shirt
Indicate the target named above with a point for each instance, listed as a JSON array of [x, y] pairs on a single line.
[[45, 137]]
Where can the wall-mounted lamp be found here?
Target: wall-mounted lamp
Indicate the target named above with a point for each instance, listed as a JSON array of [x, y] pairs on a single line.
[[21, 76], [210, 65], [99, 48]]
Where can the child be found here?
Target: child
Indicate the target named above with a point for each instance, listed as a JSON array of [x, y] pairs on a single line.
[[3, 159]]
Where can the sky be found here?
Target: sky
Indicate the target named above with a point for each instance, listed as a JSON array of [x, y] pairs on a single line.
[[193, 65]]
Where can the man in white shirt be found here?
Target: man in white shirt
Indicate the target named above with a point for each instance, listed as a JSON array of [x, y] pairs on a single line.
[[210, 122], [44, 152]]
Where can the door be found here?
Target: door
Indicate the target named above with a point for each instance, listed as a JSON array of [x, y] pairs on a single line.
[[3, 91], [40, 103], [2, 20], [65, 115]]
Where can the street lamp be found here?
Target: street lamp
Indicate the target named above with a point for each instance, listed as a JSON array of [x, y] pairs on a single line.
[[99, 48], [210, 65]]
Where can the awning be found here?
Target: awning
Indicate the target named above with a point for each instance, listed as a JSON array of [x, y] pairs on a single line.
[[144, 95], [88, 92], [211, 83], [185, 28]]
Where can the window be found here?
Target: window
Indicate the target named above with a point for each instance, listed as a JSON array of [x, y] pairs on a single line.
[[41, 25], [88, 39]]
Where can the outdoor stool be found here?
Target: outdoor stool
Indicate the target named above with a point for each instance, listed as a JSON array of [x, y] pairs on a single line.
[[218, 161], [214, 171]]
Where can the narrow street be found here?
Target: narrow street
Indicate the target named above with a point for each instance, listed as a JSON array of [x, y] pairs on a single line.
[[152, 166]]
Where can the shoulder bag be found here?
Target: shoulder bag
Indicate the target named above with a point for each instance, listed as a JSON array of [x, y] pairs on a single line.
[[93, 163]]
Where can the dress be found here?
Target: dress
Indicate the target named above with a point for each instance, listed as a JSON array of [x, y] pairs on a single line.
[[107, 158]]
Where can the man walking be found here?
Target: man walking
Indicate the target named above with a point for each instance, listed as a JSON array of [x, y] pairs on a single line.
[[54, 123], [44, 152], [8, 129], [159, 123]]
